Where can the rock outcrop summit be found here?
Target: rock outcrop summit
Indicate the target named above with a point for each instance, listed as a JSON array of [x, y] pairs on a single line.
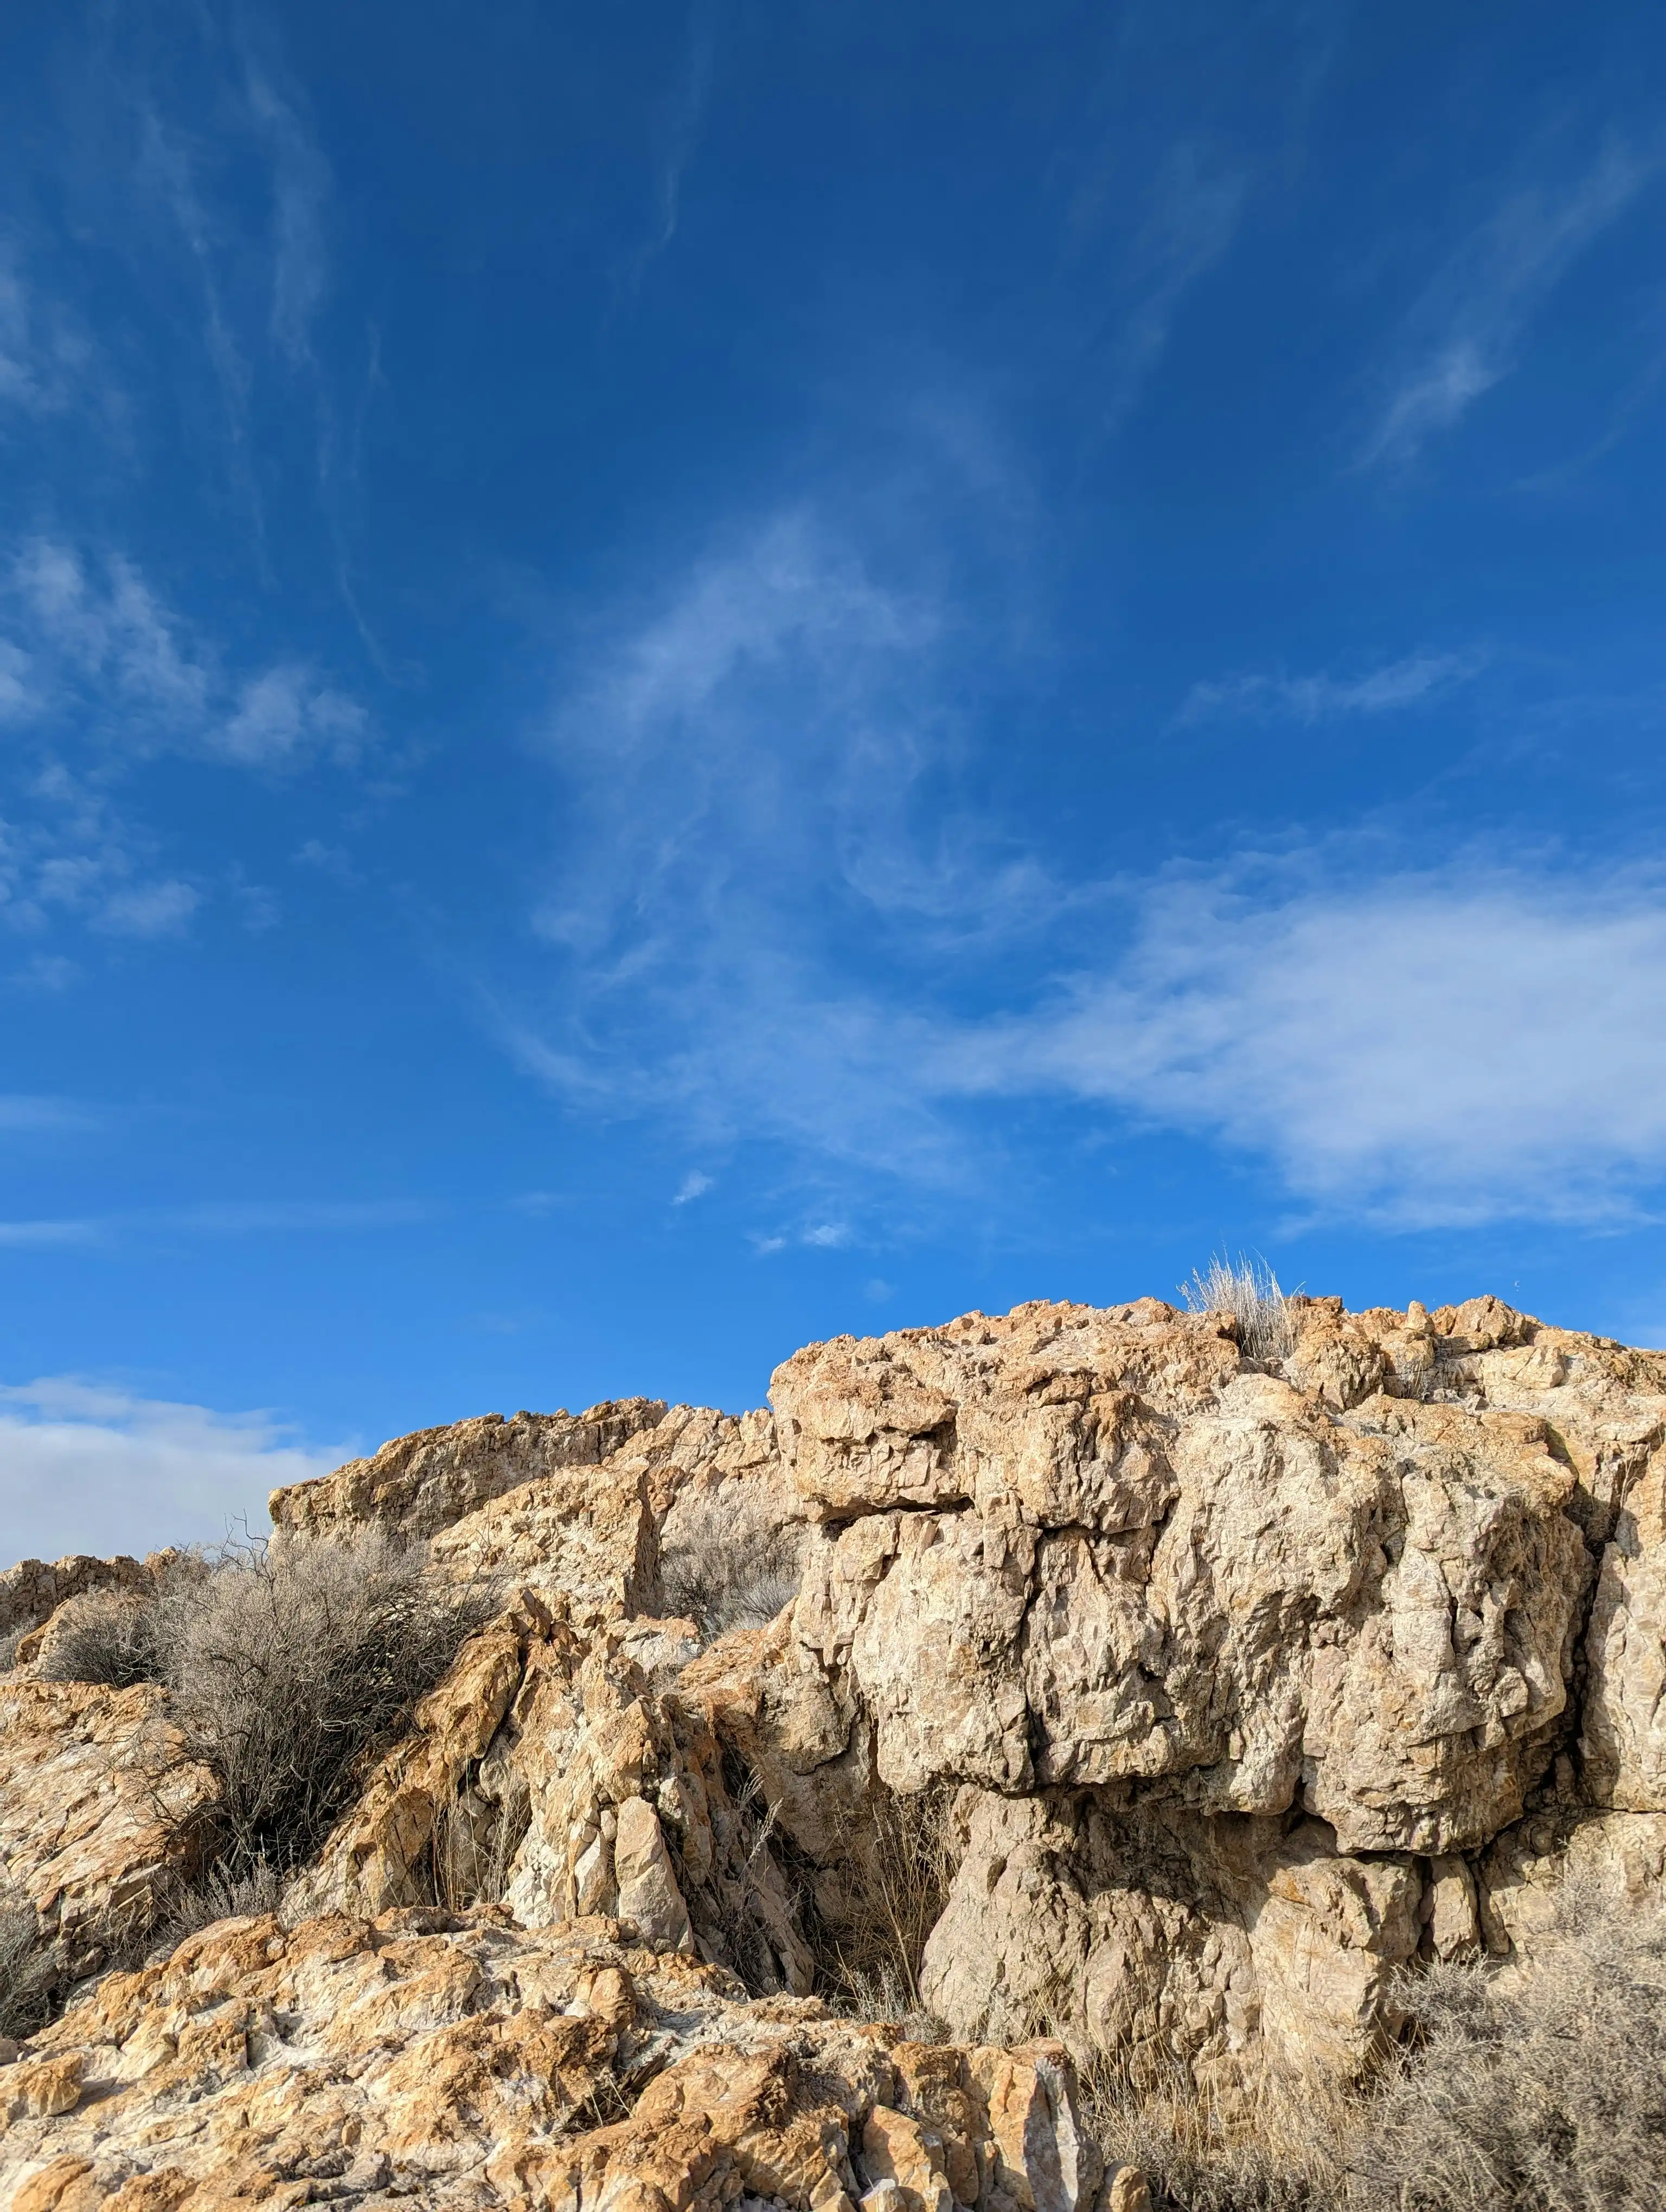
[[1215, 1693]]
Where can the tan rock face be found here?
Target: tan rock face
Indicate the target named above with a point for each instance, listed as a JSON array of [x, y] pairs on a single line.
[[422, 1483], [463, 2061], [87, 1832], [1247, 1685], [32, 1591], [1158, 1605]]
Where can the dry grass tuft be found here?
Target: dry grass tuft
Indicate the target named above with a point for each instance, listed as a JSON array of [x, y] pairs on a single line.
[[471, 1851], [1277, 2147], [226, 1891], [30, 1969], [728, 1560], [1532, 2087], [895, 1876], [1249, 1293]]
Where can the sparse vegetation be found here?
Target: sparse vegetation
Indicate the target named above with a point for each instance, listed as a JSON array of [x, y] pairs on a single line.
[[111, 1636], [30, 1968], [474, 1846], [1249, 1291], [728, 1560], [893, 1883], [1538, 2087], [1279, 2147], [287, 1669], [226, 1891]]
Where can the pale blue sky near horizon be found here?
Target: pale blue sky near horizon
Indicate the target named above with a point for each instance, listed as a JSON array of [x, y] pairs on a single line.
[[674, 680]]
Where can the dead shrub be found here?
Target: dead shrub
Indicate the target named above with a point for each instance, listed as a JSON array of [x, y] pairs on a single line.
[[31, 1969], [287, 1670], [111, 1636], [727, 1559], [1247, 1291], [1537, 2087]]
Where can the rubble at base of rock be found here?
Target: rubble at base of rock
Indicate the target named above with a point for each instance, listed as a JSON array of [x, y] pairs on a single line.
[[1238, 1688], [447, 2060]]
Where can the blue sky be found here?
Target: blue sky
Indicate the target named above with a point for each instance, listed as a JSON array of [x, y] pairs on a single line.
[[676, 679]]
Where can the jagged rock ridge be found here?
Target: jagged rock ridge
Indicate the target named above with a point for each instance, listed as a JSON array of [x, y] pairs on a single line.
[[1239, 1686]]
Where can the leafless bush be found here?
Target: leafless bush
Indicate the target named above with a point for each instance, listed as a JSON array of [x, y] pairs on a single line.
[[30, 1968], [1533, 2087], [894, 1877], [287, 1669], [728, 1560], [1249, 1293], [111, 1636]]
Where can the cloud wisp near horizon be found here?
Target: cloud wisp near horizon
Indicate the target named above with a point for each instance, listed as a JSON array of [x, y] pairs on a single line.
[[768, 674]]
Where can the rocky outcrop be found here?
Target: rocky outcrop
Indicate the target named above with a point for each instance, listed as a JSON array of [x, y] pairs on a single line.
[[95, 1811], [459, 2061], [32, 1590], [1229, 1689], [1246, 1674]]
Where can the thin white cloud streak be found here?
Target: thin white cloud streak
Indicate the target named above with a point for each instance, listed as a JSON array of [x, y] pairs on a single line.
[[233, 1218], [1440, 1048], [1192, 219], [27, 1112], [45, 1235], [1416, 680], [87, 1465], [1464, 335], [300, 196], [43, 362]]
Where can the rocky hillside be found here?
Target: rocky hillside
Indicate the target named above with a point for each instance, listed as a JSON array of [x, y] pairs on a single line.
[[1142, 1703]]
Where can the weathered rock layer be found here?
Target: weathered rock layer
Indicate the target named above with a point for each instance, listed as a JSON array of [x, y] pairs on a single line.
[[1234, 1687]]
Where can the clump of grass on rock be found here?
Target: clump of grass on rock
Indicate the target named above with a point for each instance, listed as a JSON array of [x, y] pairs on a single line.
[[728, 1560], [1248, 1291]]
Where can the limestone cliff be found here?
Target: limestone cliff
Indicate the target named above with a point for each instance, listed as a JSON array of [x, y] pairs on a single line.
[[1234, 1686]]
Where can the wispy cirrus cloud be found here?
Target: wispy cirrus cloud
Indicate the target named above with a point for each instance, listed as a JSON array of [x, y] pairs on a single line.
[[45, 358], [77, 1453], [1193, 210], [1464, 335], [1416, 680], [93, 642]]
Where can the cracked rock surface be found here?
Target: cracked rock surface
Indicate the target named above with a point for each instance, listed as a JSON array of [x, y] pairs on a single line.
[[1235, 1688]]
